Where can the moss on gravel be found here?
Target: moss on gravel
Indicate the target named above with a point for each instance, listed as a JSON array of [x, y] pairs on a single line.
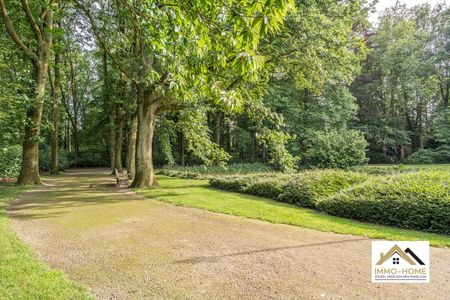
[[22, 276]]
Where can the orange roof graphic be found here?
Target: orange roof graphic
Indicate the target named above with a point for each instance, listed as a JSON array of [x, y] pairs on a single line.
[[399, 251]]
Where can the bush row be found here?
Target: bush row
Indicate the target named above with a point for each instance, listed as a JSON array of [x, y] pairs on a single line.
[[305, 189], [182, 174], [208, 172], [384, 169], [418, 200]]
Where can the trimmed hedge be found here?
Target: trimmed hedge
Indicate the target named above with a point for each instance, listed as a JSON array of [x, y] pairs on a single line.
[[181, 174], [311, 187], [269, 188], [385, 170], [418, 200], [210, 172], [236, 183], [304, 189]]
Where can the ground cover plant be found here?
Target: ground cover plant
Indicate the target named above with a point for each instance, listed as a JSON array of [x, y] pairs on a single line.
[[304, 188], [419, 200], [22, 276], [206, 172], [401, 168]]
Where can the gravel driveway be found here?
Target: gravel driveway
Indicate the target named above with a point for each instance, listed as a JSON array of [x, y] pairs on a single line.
[[123, 246]]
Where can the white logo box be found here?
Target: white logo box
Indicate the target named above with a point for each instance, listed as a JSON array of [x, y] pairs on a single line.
[[400, 261]]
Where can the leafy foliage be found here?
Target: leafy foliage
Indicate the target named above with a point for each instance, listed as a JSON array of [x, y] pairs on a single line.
[[415, 201], [309, 188], [305, 189], [336, 149], [10, 158], [440, 155], [404, 84], [44, 158], [213, 171]]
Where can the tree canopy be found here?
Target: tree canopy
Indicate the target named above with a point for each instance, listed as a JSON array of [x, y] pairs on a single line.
[[131, 84]]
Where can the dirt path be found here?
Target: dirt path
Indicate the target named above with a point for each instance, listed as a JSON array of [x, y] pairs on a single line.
[[122, 246]]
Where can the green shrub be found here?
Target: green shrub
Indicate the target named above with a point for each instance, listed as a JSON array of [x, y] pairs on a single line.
[[181, 174], [10, 160], [336, 149], [45, 158], [442, 155], [233, 183], [304, 189], [384, 170], [92, 157], [439, 155], [209, 172], [418, 200], [309, 187], [423, 156], [267, 187]]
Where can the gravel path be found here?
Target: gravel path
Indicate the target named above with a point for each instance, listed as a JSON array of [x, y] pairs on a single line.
[[122, 246]]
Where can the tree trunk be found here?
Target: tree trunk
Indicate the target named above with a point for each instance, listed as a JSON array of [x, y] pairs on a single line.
[[54, 165], [131, 151], [111, 141], [229, 144], [421, 137], [183, 150], [217, 126], [254, 146], [264, 153], [402, 152], [68, 137], [445, 92], [29, 171], [119, 136], [421, 129], [76, 143], [147, 113], [216, 132]]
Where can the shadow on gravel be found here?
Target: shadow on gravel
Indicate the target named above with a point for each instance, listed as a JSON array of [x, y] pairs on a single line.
[[75, 188], [215, 258]]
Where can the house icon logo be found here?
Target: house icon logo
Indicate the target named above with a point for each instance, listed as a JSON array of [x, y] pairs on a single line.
[[400, 261], [396, 253]]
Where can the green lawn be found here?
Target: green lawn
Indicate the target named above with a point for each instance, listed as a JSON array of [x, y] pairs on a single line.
[[197, 193], [22, 276]]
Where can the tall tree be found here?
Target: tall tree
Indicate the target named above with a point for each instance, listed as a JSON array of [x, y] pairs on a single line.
[[56, 94], [41, 27], [178, 48]]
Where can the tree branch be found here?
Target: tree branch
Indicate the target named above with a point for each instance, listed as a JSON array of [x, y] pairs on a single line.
[[33, 24], [102, 42], [12, 32]]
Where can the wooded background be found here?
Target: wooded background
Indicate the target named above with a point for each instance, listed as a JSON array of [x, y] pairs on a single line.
[[133, 84]]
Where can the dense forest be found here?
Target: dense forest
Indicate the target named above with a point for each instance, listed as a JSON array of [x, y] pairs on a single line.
[[296, 84]]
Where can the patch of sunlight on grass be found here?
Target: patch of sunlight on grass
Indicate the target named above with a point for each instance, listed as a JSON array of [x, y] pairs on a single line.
[[22, 276], [197, 193]]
